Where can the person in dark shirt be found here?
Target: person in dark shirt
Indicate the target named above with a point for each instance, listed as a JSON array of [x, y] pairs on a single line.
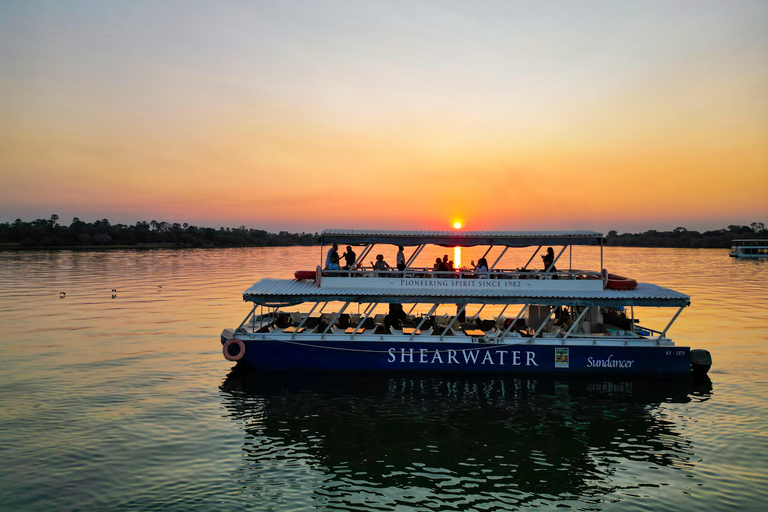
[[549, 259], [349, 258], [400, 258]]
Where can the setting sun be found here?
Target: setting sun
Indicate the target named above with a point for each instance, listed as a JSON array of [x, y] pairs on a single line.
[[457, 225]]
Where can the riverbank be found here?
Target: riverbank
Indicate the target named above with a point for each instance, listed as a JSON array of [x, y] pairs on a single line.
[[48, 234]]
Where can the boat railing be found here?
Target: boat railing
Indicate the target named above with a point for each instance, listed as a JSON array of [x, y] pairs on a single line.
[[428, 273]]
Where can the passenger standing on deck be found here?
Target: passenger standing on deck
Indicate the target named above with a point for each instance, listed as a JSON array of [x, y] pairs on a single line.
[[349, 257], [334, 261], [549, 260], [400, 258], [334, 248]]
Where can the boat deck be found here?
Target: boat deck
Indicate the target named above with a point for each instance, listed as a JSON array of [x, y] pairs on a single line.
[[288, 291]]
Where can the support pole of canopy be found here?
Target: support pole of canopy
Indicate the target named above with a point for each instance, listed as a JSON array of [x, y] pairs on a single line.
[[501, 315], [601, 254], [418, 328], [541, 327], [247, 317], [576, 323], [499, 258], [301, 324], [366, 312], [664, 332], [512, 324], [361, 259], [533, 256], [453, 320], [335, 317], [414, 256]]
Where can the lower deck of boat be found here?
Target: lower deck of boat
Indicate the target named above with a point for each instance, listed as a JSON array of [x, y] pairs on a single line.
[[550, 326]]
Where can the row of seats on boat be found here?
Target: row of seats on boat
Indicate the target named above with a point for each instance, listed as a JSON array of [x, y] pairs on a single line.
[[398, 322], [394, 324]]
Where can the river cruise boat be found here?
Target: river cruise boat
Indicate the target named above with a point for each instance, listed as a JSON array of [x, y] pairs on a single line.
[[557, 320], [750, 248]]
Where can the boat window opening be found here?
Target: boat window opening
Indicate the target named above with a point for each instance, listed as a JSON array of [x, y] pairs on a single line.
[[415, 254], [499, 258], [449, 327], [576, 323], [440, 321], [360, 261], [367, 314], [304, 321], [513, 324], [488, 251], [549, 269], [335, 318], [423, 320], [531, 259], [547, 318]]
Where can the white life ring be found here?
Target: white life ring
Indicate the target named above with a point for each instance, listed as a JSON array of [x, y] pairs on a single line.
[[240, 353]]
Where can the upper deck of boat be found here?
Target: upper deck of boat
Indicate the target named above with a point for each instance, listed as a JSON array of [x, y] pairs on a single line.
[[497, 286], [460, 238], [750, 242]]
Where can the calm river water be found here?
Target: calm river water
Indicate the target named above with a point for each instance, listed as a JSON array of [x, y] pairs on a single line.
[[122, 401]]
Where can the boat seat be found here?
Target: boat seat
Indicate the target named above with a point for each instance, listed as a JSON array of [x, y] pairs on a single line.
[[424, 332], [442, 320]]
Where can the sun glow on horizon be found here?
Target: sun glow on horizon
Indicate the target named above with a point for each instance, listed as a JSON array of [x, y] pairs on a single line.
[[457, 225]]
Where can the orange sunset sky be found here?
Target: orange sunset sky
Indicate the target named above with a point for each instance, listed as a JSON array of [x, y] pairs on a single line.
[[302, 115]]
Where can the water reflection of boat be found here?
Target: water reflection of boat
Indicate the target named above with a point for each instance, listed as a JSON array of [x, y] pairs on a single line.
[[569, 322], [513, 440]]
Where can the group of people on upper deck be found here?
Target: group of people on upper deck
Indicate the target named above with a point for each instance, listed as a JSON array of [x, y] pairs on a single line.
[[442, 267]]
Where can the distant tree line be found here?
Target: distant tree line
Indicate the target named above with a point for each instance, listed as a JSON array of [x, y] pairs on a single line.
[[101, 233], [49, 233], [682, 238]]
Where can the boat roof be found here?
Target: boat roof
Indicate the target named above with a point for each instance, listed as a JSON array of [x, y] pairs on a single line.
[[461, 238], [274, 292]]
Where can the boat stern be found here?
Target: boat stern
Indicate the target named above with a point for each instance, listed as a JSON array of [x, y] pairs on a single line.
[[227, 334]]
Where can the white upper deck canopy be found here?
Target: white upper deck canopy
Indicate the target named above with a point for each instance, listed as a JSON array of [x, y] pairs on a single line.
[[285, 292], [461, 238]]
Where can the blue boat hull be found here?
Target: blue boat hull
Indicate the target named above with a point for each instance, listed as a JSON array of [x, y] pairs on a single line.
[[436, 356]]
